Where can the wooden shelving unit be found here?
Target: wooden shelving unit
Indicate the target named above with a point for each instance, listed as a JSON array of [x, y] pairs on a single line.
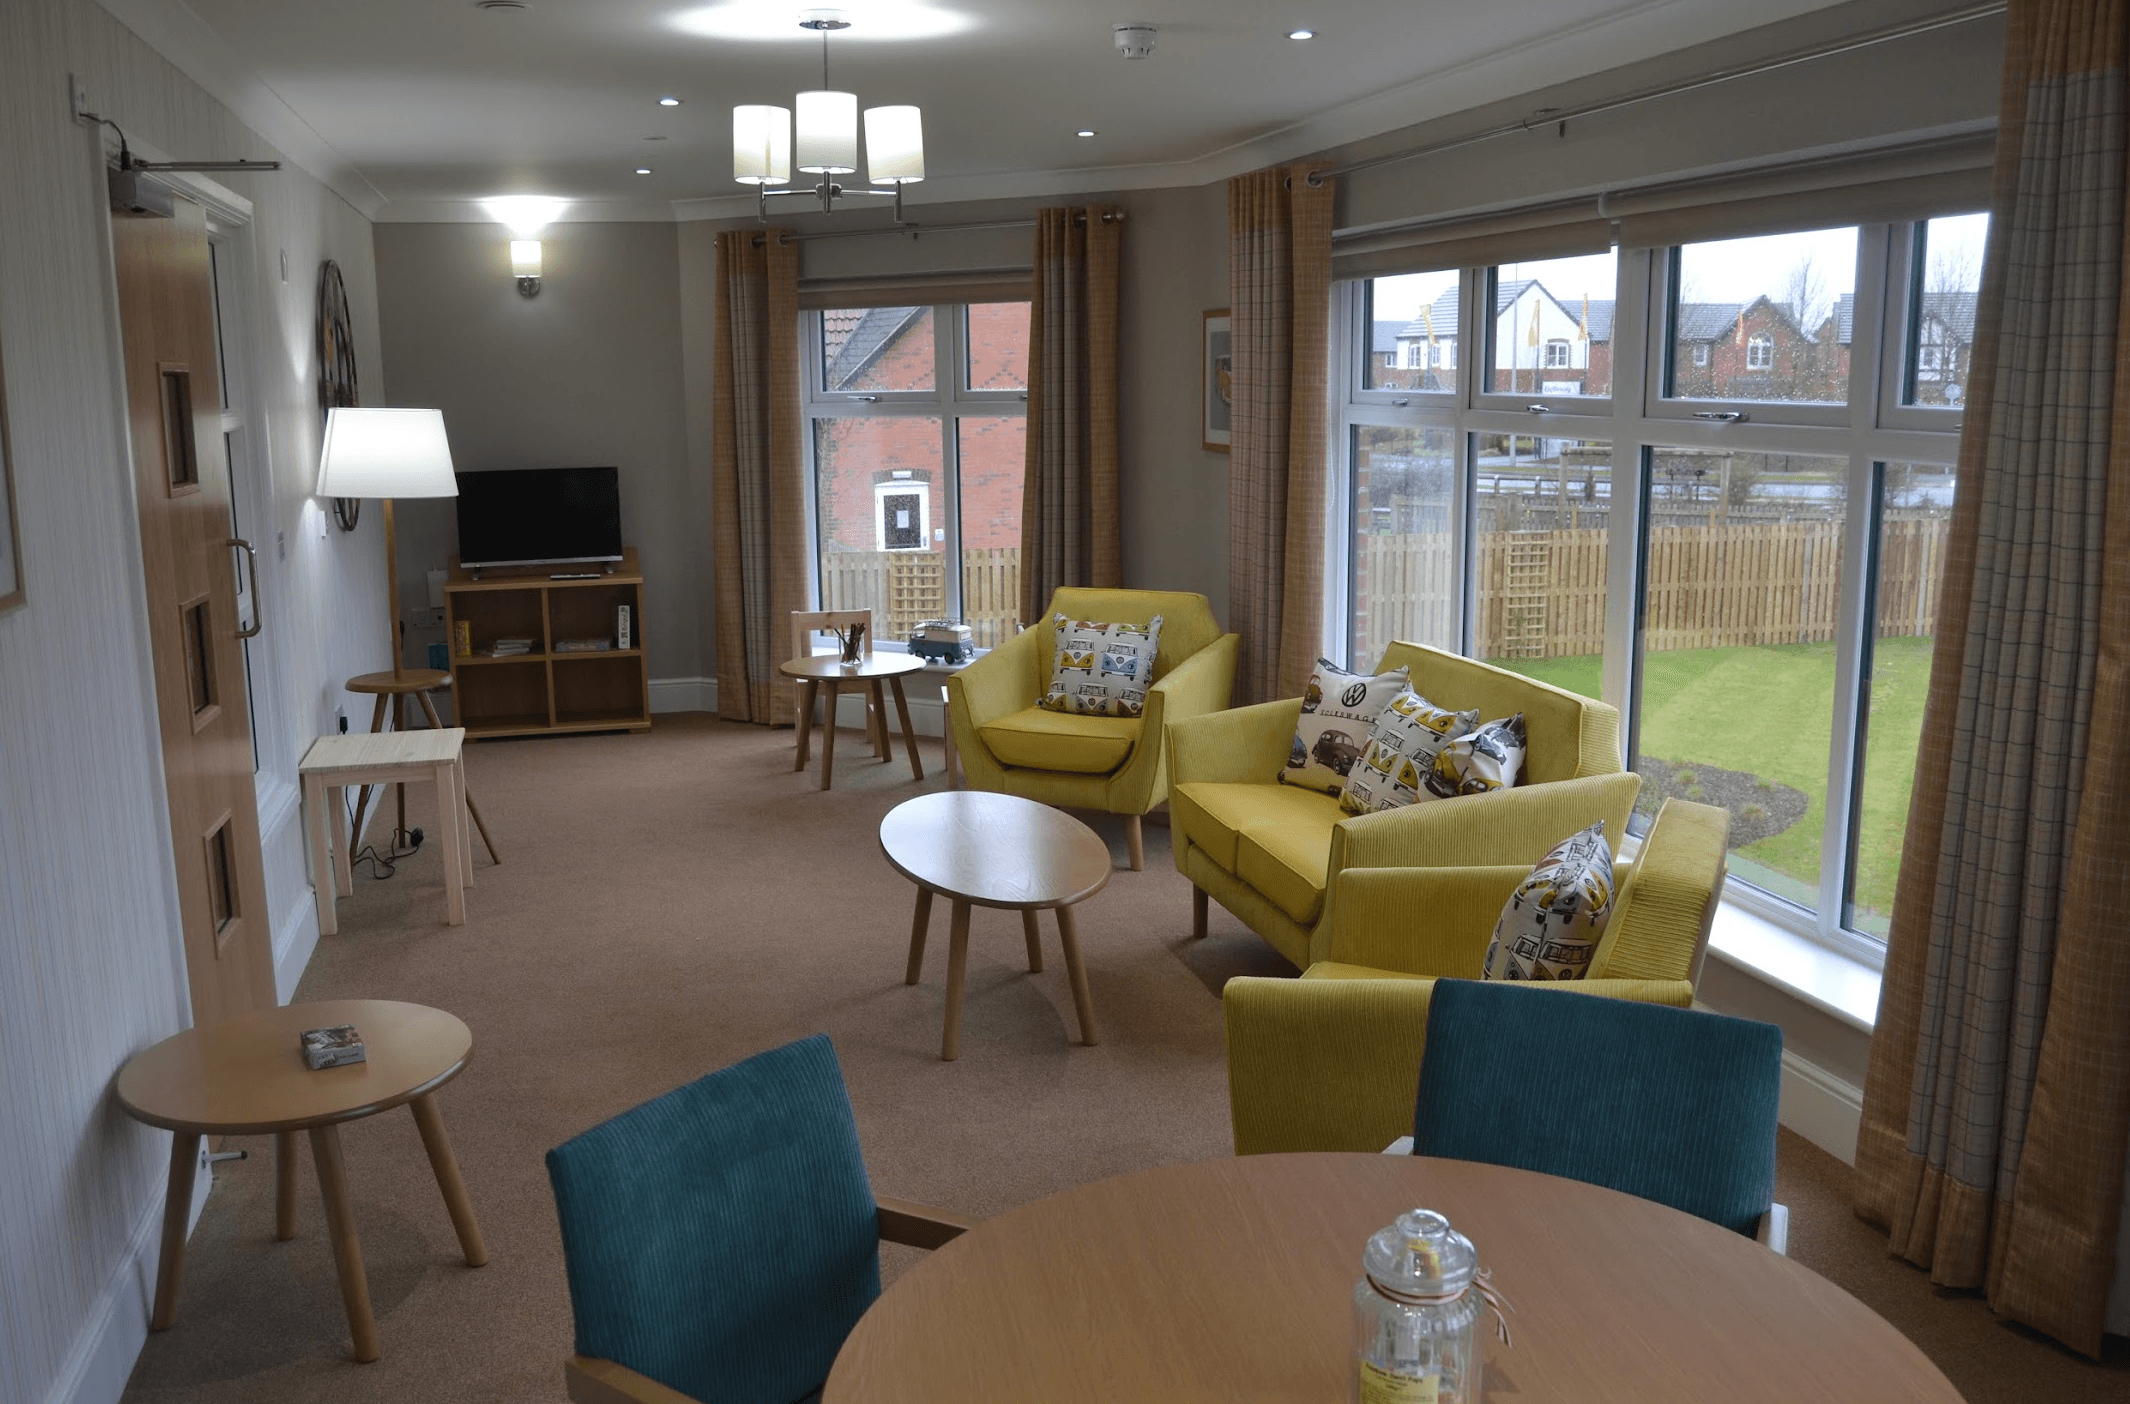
[[544, 692]]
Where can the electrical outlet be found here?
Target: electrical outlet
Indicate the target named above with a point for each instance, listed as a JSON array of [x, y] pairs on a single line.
[[428, 619], [340, 715], [80, 91]]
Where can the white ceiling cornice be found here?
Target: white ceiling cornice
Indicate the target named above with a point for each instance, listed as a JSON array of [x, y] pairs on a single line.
[[195, 49]]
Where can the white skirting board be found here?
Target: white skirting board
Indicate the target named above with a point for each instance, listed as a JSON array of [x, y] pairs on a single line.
[[117, 1326], [1821, 1107], [928, 714]]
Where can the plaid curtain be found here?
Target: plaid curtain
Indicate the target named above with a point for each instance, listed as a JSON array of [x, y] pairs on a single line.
[[1998, 1098], [1279, 291], [757, 474], [1069, 528]]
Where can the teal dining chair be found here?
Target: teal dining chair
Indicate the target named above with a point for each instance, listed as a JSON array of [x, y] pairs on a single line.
[[1667, 1104], [721, 1240]]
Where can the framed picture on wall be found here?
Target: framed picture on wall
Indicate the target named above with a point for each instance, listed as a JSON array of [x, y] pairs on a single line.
[[11, 593], [1218, 381]]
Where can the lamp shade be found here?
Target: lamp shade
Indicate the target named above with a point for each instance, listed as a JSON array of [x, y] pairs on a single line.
[[761, 145], [385, 453], [894, 145], [525, 258], [828, 132]]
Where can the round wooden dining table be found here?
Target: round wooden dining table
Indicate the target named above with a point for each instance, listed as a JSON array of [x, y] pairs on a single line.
[[1232, 1280]]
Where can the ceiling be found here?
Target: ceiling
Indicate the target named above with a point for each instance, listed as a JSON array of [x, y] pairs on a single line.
[[416, 109]]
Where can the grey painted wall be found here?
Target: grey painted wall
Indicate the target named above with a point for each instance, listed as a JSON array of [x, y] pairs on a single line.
[[588, 372]]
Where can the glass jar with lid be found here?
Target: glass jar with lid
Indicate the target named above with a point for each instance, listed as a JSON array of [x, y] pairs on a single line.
[[1416, 1315]]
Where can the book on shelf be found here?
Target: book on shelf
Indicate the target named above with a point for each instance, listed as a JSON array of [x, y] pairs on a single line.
[[583, 645], [462, 638], [507, 648], [621, 627]]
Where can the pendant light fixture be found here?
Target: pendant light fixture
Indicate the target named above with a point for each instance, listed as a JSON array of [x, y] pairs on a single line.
[[764, 148]]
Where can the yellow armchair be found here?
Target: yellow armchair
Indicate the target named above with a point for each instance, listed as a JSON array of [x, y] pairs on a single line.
[[1331, 1061], [1118, 765], [1298, 871]]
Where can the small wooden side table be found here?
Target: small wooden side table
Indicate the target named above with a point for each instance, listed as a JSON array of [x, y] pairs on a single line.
[[246, 1077], [392, 691], [991, 850], [376, 758], [828, 670]]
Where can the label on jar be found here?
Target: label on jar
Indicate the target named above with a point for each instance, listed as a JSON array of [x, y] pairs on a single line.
[[1380, 1386]]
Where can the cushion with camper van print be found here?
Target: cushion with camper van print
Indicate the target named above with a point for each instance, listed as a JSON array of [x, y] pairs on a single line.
[[1555, 918], [1338, 709], [1490, 757], [1102, 670], [1400, 753]]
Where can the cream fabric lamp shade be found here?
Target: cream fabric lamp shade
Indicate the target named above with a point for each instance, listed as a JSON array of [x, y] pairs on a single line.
[[828, 132], [761, 145], [385, 453], [894, 145]]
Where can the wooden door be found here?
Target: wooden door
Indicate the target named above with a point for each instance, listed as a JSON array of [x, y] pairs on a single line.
[[181, 481]]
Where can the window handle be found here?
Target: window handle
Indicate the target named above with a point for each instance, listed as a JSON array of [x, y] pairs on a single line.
[[1539, 409], [1722, 416], [1401, 404], [867, 399]]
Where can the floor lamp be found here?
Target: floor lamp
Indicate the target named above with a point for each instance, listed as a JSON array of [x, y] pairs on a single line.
[[388, 453]]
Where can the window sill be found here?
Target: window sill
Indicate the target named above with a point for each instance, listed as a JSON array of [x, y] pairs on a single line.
[[1831, 981]]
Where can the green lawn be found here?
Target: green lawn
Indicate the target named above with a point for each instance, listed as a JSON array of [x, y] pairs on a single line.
[[1768, 711]]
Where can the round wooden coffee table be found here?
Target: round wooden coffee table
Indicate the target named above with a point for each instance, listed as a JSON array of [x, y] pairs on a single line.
[[246, 1077], [990, 850], [1233, 1279], [828, 670]]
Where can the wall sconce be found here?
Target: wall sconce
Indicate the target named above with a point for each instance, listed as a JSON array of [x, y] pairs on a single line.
[[525, 265]]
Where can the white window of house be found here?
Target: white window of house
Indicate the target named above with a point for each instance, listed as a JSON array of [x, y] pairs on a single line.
[[1557, 354], [1754, 589], [918, 420]]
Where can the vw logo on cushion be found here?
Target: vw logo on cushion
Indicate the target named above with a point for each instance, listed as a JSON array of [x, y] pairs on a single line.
[[1354, 696]]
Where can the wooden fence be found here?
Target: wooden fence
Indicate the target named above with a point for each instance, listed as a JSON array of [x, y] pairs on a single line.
[[1542, 593], [902, 588]]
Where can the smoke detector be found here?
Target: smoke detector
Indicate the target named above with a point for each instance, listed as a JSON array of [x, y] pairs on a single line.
[[1135, 38]]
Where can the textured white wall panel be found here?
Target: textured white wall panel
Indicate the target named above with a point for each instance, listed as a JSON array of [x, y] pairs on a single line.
[[91, 968]]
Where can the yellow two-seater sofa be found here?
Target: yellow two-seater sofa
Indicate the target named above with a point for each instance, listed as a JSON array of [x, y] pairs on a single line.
[[1114, 764], [1299, 872]]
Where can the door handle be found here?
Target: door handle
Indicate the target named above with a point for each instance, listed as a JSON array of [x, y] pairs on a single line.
[[251, 559]]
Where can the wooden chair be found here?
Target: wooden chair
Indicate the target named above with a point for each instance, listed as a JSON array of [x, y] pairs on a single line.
[[805, 623]]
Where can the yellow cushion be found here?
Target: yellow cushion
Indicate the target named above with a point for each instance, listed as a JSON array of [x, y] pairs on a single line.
[[1289, 863], [1212, 816], [1040, 740]]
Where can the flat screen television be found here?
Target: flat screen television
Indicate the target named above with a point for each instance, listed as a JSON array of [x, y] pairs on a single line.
[[539, 516]]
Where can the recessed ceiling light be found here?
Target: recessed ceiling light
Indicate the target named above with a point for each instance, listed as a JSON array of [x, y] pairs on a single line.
[[1301, 34], [643, 170], [669, 102], [1085, 131]]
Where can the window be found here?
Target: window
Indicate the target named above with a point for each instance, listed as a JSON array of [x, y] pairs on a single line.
[[918, 419], [1754, 588], [1408, 319], [1947, 274], [1778, 311], [1551, 316]]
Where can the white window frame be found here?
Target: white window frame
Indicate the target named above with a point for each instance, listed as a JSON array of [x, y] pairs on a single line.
[[1636, 418], [950, 400], [1562, 347], [1478, 305], [1760, 351]]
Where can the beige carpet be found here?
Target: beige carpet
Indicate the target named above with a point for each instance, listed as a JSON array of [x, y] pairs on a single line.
[[675, 901]]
